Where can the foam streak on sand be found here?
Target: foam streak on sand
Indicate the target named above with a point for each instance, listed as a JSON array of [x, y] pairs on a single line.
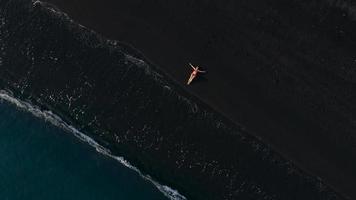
[[57, 121]]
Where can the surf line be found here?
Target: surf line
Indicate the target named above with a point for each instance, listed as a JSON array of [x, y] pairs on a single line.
[[55, 120]]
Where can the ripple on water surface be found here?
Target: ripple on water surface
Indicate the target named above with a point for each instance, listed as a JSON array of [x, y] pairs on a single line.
[[41, 161]]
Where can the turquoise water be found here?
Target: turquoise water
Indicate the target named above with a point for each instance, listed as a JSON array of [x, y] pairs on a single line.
[[41, 161]]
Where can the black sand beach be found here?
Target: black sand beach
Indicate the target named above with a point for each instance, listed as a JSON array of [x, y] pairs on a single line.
[[284, 71]]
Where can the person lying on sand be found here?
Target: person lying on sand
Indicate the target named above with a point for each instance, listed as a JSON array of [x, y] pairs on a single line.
[[194, 73]]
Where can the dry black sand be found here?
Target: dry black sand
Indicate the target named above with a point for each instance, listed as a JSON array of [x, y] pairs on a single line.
[[285, 71]]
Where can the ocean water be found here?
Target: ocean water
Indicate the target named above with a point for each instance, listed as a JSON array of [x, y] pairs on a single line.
[[42, 161]]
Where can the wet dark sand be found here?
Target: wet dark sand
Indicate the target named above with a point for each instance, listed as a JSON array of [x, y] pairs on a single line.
[[285, 72]]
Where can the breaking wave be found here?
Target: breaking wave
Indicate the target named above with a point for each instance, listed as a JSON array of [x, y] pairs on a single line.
[[54, 119]]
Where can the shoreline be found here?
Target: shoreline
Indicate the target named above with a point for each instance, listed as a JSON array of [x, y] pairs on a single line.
[[58, 122]]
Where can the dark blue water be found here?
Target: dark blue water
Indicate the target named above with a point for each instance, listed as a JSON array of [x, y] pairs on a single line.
[[41, 161]]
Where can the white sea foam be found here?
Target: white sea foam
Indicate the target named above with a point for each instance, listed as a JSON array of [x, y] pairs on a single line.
[[57, 121]]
